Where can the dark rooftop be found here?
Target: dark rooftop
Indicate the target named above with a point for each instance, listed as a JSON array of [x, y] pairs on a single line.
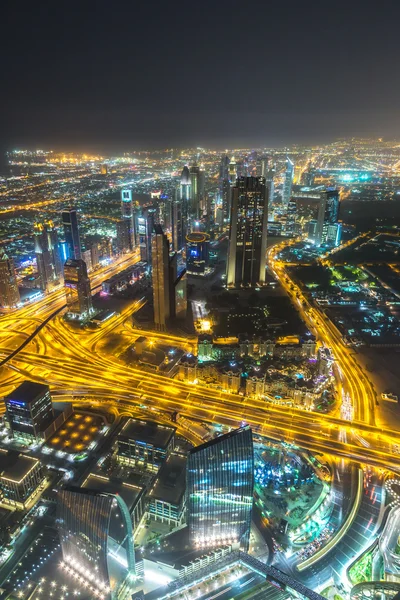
[[15, 466], [170, 484], [147, 431], [100, 483], [28, 391]]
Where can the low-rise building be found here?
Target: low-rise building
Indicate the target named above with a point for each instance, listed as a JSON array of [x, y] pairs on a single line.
[[22, 479], [145, 443], [167, 496]]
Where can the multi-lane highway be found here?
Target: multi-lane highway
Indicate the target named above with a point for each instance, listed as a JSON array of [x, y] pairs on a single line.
[[72, 360]]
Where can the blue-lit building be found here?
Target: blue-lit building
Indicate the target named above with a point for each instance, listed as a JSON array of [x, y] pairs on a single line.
[[96, 538], [197, 252], [71, 233], [220, 482], [29, 411]]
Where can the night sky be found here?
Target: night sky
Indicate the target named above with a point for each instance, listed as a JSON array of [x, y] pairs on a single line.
[[124, 75]]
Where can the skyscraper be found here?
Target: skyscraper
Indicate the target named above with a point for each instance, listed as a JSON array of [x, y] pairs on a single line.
[[328, 214], [29, 410], [71, 233], [161, 279], [197, 252], [177, 223], [220, 482], [77, 289], [248, 233], [92, 526], [224, 168], [145, 228], [226, 198], [128, 213], [194, 208], [123, 241], [288, 181], [9, 292], [232, 170], [185, 185], [48, 255]]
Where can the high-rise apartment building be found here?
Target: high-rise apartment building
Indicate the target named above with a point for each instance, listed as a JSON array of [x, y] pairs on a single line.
[[77, 289], [328, 230], [9, 292], [288, 182], [48, 255], [232, 171], [93, 525], [145, 228], [161, 279], [29, 410], [248, 233], [220, 482], [123, 241], [177, 223], [128, 213], [194, 209], [71, 233]]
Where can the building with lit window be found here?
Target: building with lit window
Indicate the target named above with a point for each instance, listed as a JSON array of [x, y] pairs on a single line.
[[71, 233], [248, 233], [220, 481], [77, 289], [167, 499], [29, 411], [197, 252], [128, 213], [288, 182], [9, 292], [96, 538], [145, 229], [144, 443], [22, 479], [123, 241], [161, 278], [48, 255]]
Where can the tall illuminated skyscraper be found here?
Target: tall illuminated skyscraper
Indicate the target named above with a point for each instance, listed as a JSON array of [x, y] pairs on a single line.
[[96, 536], [48, 255], [128, 214], [178, 222], [71, 233], [288, 182], [161, 278], [328, 229], [248, 233], [185, 185], [77, 289], [194, 208], [232, 170], [9, 292], [220, 482]]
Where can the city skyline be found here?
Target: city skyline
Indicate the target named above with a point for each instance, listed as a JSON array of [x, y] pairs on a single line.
[[199, 366]]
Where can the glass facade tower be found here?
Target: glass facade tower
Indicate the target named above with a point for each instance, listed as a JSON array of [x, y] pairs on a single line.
[[248, 233], [220, 481], [96, 537], [71, 233]]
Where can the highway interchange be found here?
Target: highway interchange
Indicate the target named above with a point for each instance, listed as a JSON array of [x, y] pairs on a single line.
[[72, 361]]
